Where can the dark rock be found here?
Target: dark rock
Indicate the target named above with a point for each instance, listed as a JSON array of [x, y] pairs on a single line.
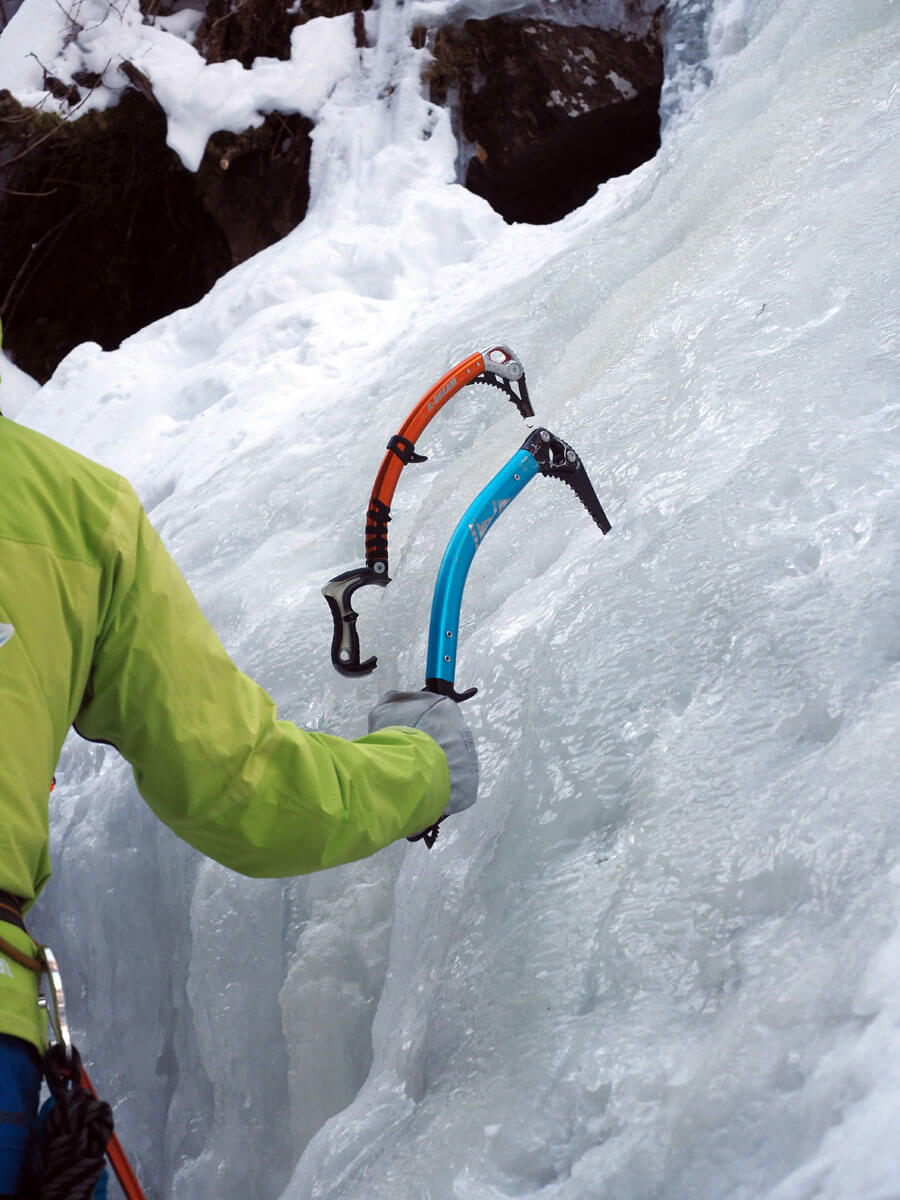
[[61, 90], [262, 28], [87, 79], [103, 230], [138, 80], [545, 113], [245, 31], [255, 185]]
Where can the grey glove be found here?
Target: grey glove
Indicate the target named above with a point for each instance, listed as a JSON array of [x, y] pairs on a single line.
[[440, 718]]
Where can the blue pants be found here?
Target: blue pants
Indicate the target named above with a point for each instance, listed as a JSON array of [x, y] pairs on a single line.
[[20, 1086]]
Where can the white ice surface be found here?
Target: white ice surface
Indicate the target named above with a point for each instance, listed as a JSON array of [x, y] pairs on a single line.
[[18, 388], [660, 959]]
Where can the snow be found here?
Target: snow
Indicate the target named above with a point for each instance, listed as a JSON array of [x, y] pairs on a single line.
[[198, 98], [661, 956], [18, 388]]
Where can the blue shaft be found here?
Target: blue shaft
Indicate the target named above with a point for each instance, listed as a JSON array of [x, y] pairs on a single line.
[[467, 537]]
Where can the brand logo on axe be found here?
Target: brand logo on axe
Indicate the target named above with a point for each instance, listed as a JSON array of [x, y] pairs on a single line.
[[478, 529]]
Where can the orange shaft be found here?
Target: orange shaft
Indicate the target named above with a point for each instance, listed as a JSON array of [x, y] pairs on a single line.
[[432, 402]]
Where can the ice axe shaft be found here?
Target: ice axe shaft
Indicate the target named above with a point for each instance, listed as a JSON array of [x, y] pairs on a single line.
[[542, 453]]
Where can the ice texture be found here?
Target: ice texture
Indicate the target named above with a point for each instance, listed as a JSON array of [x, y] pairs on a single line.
[[660, 958]]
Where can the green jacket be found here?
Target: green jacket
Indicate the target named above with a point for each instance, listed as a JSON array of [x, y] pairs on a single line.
[[99, 629]]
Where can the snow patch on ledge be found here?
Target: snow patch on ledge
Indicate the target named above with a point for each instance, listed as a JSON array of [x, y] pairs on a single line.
[[198, 98]]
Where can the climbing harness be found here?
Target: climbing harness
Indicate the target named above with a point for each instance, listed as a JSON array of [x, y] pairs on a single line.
[[497, 367], [11, 910], [79, 1122], [76, 1127], [11, 913]]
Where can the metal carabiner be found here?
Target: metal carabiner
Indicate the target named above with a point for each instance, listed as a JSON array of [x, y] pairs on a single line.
[[57, 1019]]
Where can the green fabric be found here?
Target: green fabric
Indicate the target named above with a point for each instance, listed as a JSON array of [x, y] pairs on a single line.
[[109, 636], [19, 1012]]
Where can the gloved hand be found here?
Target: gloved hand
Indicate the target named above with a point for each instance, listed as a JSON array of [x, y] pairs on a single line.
[[440, 718]]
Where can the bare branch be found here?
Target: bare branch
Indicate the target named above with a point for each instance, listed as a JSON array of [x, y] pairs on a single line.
[[31, 195]]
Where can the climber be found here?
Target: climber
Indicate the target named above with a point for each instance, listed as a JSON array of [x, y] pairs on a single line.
[[99, 630]]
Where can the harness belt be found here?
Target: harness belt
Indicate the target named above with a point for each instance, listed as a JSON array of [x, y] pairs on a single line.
[[11, 910], [11, 913], [69, 1081]]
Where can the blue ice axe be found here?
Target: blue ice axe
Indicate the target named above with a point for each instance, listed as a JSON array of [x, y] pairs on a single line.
[[542, 453]]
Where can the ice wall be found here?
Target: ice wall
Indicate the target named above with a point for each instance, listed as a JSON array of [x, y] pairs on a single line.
[[660, 957]]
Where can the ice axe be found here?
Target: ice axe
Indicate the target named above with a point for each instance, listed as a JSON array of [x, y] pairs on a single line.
[[497, 367], [542, 453]]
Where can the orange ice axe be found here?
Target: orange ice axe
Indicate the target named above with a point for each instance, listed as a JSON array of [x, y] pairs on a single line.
[[498, 367]]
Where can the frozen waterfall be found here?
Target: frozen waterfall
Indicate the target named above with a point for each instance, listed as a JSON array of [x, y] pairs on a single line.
[[660, 960]]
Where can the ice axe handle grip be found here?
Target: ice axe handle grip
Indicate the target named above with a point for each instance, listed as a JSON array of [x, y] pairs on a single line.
[[345, 651]]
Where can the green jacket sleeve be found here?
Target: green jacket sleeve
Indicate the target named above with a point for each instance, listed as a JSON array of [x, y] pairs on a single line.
[[210, 755]]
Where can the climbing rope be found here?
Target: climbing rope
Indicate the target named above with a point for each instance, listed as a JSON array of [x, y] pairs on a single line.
[[75, 1133], [76, 1126]]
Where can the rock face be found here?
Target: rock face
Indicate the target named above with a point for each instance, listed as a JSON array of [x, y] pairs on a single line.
[[261, 28], [103, 230], [545, 113], [255, 185]]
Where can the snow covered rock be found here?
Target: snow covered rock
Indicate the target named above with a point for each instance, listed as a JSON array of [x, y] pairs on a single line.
[[179, 140], [546, 112]]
